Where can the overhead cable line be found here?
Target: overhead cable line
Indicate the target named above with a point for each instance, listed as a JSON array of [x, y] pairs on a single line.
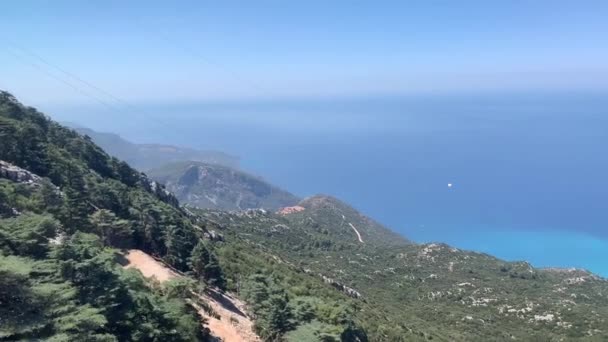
[[36, 66], [70, 75], [79, 89]]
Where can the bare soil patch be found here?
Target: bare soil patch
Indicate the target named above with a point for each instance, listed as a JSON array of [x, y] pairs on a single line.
[[233, 326]]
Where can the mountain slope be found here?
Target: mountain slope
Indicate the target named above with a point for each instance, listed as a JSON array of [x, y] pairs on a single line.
[[68, 211], [148, 156], [205, 185], [67, 207], [231, 325], [317, 271], [328, 211], [428, 291]]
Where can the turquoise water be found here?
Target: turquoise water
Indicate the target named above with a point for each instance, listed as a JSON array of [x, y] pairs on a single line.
[[540, 248], [529, 173]]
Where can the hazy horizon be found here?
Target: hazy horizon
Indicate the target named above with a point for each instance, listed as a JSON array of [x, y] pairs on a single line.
[[140, 52], [527, 171], [375, 100], [384, 170]]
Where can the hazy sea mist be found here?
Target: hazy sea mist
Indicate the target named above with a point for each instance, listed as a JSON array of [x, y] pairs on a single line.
[[529, 172]]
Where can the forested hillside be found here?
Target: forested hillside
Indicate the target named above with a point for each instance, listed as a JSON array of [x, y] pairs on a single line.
[[68, 211], [431, 291], [316, 271], [205, 185]]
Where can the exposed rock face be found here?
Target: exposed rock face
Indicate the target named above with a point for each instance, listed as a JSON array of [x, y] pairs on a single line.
[[290, 210], [17, 174], [159, 190], [349, 291], [211, 186], [341, 287], [214, 236]]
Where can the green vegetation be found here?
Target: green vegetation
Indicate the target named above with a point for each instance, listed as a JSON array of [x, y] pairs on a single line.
[[66, 211], [282, 298], [322, 272], [415, 292], [61, 279], [205, 266], [78, 292], [88, 191], [269, 304], [204, 185]]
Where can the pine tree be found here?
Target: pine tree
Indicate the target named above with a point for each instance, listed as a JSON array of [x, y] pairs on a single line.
[[32, 149], [113, 231], [50, 196], [126, 174], [5, 209], [214, 274], [179, 243], [206, 267], [278, 315], [77, 205], [7, 134]]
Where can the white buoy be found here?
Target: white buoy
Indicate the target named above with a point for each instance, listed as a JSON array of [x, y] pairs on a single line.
[[449, 185]]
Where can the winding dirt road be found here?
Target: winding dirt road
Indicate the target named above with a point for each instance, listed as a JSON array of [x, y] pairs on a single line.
[[356, 231]]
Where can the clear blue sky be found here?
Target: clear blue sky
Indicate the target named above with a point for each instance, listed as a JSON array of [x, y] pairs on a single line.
[[172, 51]]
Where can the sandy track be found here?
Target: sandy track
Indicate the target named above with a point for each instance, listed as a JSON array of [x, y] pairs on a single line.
[[353, 227], [148, 266], [233, 326], [356, 231]]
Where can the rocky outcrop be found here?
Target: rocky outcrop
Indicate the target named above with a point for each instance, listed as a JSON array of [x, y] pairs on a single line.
[[159, 190], [212, 186], [20, 175], [17, 174], [213, 236], [349, 291], [290, 210]]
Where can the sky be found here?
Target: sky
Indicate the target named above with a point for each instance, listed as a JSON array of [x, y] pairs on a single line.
[[317, 96], [172, 52]]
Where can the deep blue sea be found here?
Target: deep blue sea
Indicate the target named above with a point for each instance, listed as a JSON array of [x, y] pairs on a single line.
[[529, 173]]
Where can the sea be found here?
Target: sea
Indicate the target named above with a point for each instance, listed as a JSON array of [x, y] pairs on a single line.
[[518, 176]]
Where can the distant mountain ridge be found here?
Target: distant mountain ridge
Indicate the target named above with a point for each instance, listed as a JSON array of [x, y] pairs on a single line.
[[330, 211], [148, 156], [205, 185], [199, 178], [69, 212], [315, 270]]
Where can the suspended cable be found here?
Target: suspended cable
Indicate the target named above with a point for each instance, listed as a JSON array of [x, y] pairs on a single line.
[[80, 90], [59, 79]]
